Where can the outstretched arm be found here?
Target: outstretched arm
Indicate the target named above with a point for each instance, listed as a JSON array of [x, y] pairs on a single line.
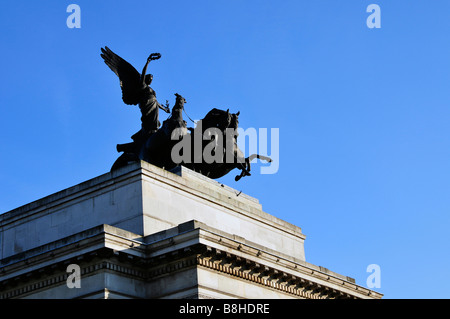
[[153, 56], [164, 108], [144, 71]]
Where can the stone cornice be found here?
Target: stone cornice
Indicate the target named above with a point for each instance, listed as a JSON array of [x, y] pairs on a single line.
[[107, 250], [45, 204], [200, 187]]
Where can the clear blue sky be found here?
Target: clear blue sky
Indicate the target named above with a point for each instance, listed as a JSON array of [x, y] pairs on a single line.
[[363, 113]]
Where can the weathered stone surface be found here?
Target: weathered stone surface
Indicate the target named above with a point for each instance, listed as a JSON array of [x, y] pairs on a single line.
[[145, 199], [143, 232], [191, 260]]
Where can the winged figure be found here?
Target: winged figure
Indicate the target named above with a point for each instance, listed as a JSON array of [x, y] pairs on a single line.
[[136, 90]]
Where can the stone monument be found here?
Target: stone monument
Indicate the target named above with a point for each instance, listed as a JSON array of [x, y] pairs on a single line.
[[154, 228], [144, 232]]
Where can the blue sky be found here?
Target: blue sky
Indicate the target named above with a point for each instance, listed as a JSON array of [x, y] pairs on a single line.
[[363, 113]]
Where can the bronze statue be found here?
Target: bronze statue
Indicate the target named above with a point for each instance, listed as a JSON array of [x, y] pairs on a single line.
[[230, 157], [136, 90], [156, 145]]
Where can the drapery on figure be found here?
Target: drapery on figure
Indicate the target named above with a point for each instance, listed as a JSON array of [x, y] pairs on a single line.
[[136, 90]]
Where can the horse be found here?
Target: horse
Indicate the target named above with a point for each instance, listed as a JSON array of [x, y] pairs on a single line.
[[217, 126], [225, 124]]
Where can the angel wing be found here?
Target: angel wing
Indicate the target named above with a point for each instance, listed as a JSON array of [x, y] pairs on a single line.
[[129, 77]]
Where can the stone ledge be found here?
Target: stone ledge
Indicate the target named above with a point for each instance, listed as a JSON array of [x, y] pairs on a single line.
[[70, 193], [185, 179], [191, 182], [170, 251], [73, 239], [185, 172]]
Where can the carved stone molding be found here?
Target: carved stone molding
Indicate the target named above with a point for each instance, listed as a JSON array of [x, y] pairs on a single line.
[[148, 262], [266, 276]]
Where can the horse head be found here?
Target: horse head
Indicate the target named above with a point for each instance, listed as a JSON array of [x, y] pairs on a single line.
[[217, 118], [234, 120], [179, 102]]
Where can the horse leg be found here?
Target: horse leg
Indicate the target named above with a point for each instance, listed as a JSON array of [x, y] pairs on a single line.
[[252, 157], [245, 170], [238, 177]]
